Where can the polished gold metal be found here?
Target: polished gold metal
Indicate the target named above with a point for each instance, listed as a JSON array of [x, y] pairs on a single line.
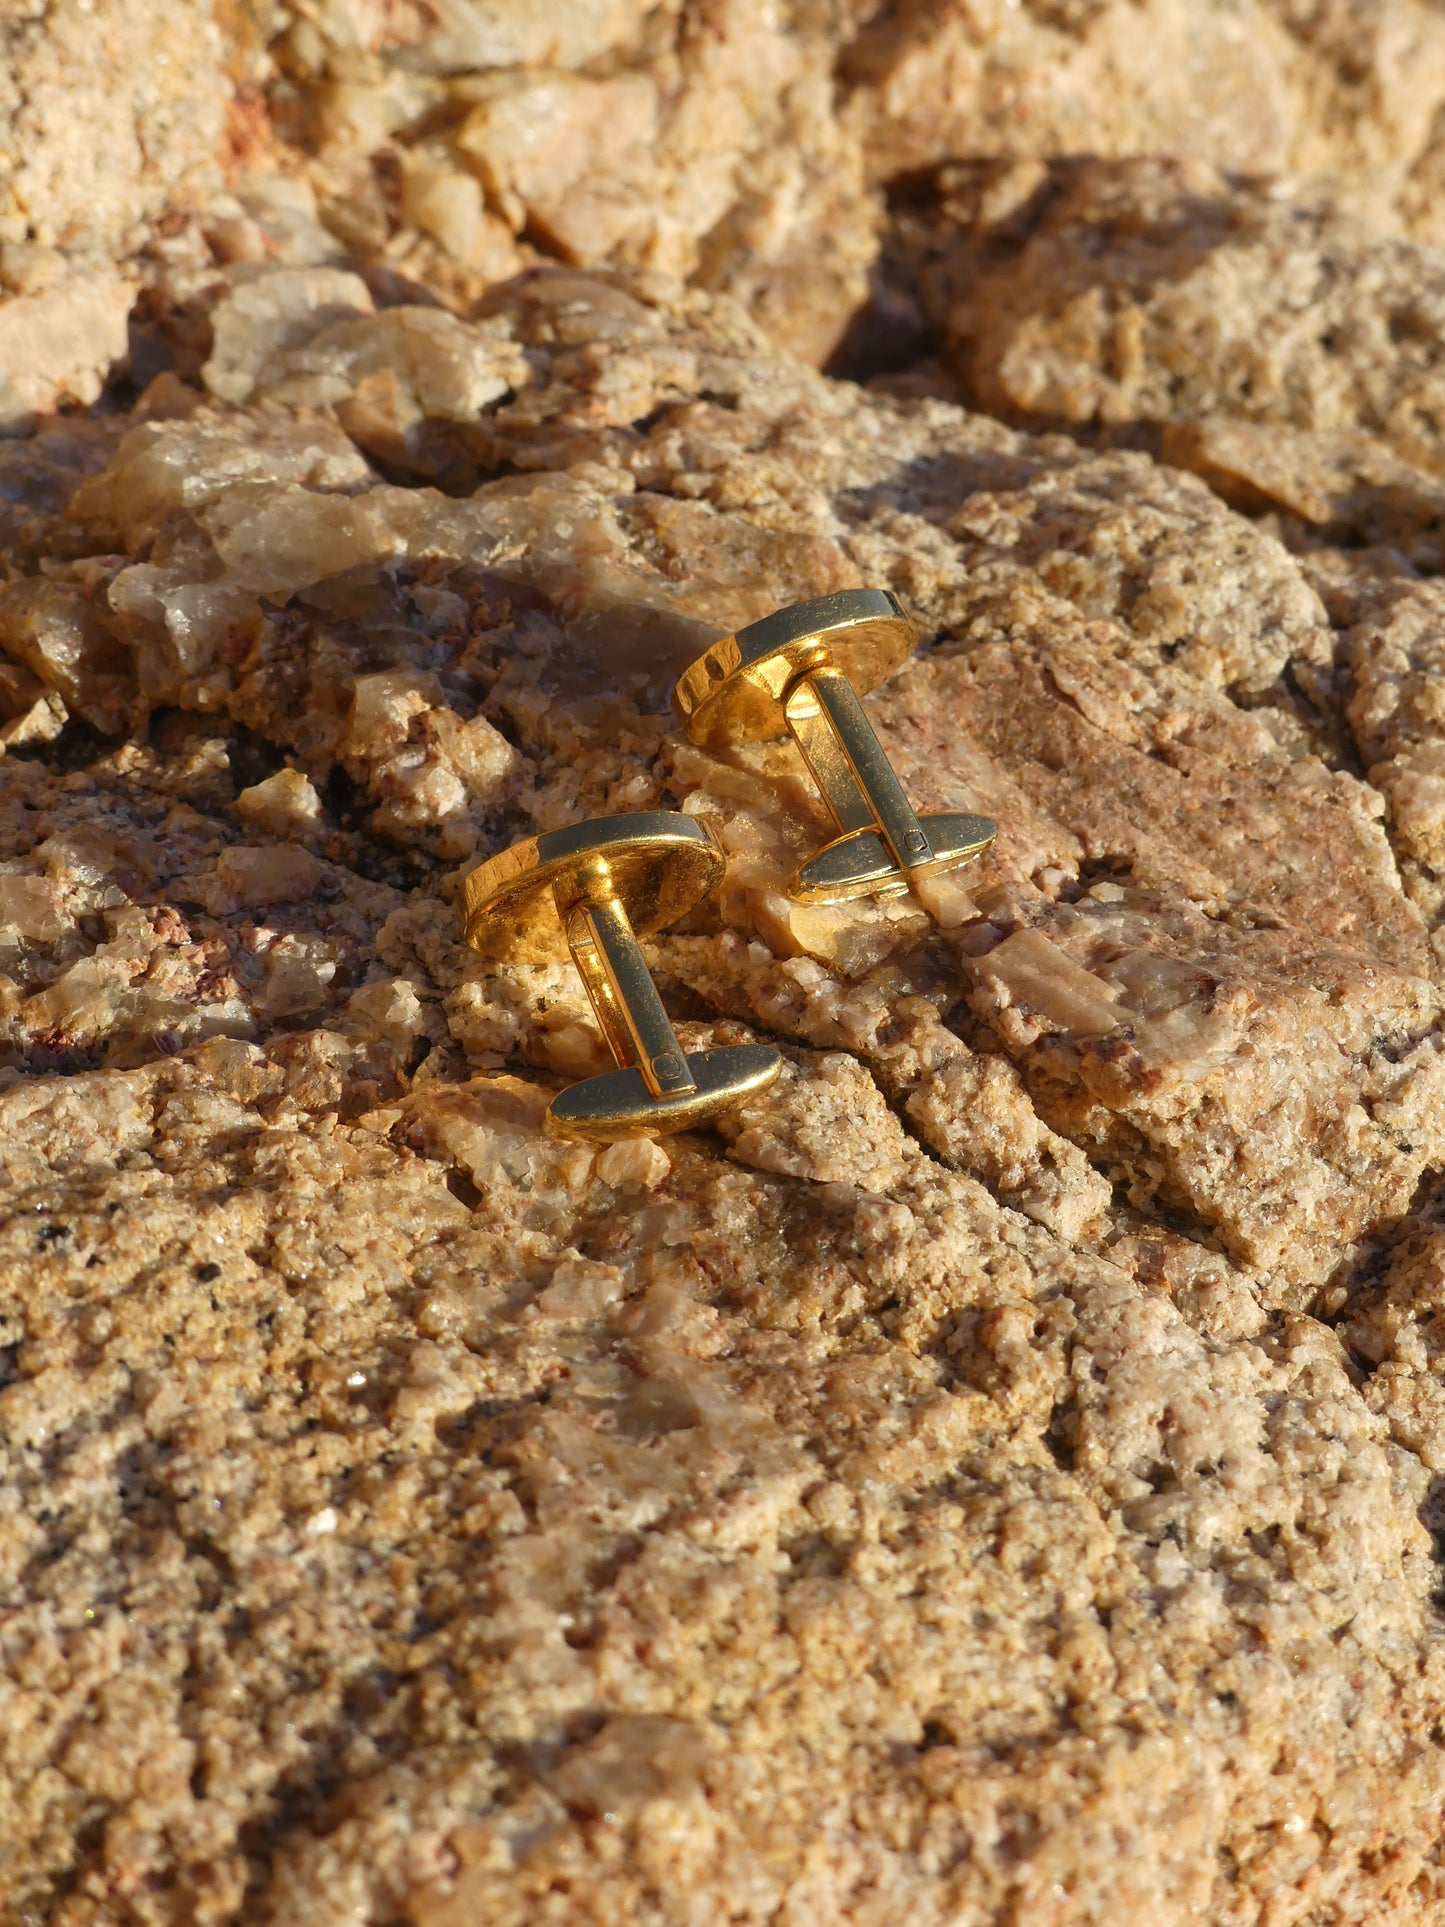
[[801, 670], [595, 887]]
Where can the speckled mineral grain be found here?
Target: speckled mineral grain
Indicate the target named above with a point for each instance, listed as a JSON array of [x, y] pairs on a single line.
[[997, 1479]]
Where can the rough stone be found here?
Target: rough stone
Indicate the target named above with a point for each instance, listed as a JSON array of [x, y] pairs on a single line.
[[264, 316], [60, 345], [1389, 623], [1284, 353], [626, 135], [1162, 291], [748, 146], [346, 1464], [1319, 486], [1346, 92], [996, 1475], [112, 112]]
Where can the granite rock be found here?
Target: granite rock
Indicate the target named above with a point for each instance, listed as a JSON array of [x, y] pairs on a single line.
[[60, 345], [1345, 93], [714, 144], [746, 147], [562, 1533], [1157, 291], [1280, 349], [751, 147], [112, 113], [1388, 622], [998, 1475], [994, 1475]]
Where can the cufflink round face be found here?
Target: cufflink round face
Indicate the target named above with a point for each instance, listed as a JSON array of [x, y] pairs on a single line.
[[658, 864], [736, 691]]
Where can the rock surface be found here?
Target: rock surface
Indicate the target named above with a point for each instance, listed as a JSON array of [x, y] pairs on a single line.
[[997, 1476], [113, 111], [749, 146]]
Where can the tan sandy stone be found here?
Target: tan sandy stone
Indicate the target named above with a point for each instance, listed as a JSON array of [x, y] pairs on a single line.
[[1346, 92], [613, 134], [993, 1477], [1097, 611], [567, 156], [61, 344], [344, 1438], [110, 113], [1332, 484], [775, 130], [1160, 291], [277, 310], [285, 804]]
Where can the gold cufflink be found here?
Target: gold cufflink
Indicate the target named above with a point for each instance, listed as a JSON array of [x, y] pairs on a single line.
[[593, 887], [802, 670]]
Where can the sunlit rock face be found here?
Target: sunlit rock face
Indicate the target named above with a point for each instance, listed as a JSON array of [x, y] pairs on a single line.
[[994, 1476]]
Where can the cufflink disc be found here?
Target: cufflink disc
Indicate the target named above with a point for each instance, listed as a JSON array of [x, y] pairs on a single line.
[[657, 863], [736, 691]]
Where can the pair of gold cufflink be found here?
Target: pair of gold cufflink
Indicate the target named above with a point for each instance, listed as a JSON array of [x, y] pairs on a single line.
[[597, 886]]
